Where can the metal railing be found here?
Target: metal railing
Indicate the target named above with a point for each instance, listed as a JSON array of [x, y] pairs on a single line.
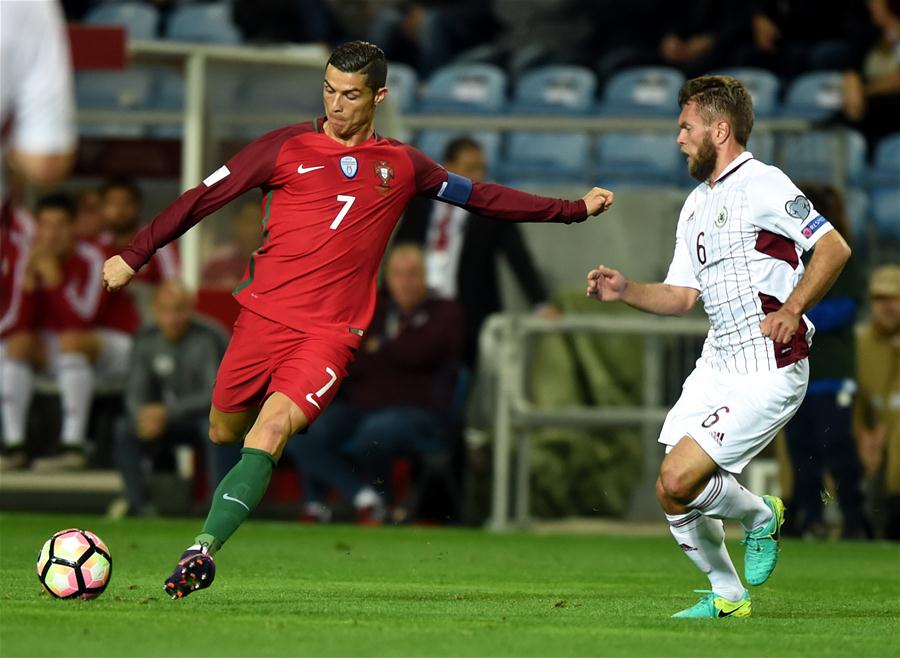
[[516, 415]]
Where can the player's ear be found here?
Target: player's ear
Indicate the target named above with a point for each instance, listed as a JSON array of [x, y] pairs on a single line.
[[722, 131], [380, 95]]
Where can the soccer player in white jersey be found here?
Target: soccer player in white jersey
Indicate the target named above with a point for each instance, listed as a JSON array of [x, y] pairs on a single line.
[[737, 247]]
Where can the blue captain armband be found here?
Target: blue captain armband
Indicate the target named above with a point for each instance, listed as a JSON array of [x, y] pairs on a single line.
[[456, 189]]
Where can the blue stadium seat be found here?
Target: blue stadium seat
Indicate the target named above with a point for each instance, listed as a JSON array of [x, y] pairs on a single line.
[[886, 168], [556, 90], [639, 158], [203, 23], [403, 86], [762, 146], [763, 87], [140, 20], [645, 90], [814, 96], [816, 155], [856, 204], [547, 156], [465, 88], [113, 90], [886, 213], [433, 142]]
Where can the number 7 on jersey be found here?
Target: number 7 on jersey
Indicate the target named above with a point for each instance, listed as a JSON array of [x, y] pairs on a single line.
[[347, 201]]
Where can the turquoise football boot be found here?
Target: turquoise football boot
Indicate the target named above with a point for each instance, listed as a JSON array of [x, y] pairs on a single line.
[[716, 607], [761, 545]]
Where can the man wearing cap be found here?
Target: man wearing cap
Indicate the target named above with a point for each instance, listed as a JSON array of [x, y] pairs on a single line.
[[876, 421]]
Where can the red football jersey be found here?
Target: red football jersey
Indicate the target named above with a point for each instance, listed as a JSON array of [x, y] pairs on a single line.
[[328, 213], [75, 302], [16, 235]]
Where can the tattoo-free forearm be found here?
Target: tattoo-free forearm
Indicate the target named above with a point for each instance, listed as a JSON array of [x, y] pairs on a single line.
[[829, 257]]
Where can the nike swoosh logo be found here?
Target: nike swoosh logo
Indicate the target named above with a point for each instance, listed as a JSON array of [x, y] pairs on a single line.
[[305, 170], [722, 613], [235, 500]]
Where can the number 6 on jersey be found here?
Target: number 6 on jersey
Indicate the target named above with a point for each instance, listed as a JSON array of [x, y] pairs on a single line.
[[347, 201]]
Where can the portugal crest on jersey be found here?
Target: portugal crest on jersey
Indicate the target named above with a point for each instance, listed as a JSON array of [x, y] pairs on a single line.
[[385, 173]]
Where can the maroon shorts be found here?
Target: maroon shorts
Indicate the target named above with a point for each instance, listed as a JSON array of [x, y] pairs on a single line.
[[265, 357]]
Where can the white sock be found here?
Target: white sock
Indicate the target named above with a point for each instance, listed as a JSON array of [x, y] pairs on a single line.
[[76, 386], [16, 388], [725, 498], [703, 540]]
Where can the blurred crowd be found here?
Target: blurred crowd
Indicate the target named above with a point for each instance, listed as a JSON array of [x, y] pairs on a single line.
[[787, 37], [155, 347]]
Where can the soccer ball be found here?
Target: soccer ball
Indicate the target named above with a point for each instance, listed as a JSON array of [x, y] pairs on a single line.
[[74, 564]]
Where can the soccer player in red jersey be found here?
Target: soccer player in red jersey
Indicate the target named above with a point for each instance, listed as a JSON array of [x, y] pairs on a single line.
[[333, 191]]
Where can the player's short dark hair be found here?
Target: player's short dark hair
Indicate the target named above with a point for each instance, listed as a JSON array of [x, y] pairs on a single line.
[[361, 57], [829, 202], [123, 183], [58, 201], [721, 97], [457, 145]]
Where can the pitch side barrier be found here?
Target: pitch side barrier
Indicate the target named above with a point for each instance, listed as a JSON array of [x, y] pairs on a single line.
[[516, 415]]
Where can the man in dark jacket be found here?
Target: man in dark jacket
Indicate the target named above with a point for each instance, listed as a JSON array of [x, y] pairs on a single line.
[[396, 401]]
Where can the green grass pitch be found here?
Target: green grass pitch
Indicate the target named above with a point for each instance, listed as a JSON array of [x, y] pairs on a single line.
[[294, 590]]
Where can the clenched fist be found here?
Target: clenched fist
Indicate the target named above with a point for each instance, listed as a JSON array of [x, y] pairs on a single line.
[[597, 201], [116, 273]]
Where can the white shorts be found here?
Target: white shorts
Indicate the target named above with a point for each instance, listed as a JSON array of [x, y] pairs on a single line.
[[733, 417], [111, 365]]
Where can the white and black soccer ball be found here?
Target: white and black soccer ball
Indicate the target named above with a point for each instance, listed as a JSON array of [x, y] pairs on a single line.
[[74, 564]]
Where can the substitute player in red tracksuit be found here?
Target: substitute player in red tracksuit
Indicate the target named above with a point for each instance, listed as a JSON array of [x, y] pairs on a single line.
[[333, 192]]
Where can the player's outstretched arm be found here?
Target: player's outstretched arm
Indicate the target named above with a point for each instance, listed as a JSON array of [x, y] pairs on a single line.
[[116, 273], [830, 254], [608, 285]]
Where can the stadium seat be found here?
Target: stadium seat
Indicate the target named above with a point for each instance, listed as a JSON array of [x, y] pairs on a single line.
[[886, 213], [814, 96], [403, 87], [856, 205], [638, 158], [763, 87], [203, 23], [555, 90], [465, 88], [817, 155], [140, 20], [547, 156], [433, 142], [886, 168], [645, 90], [762, 146], [113, 90]]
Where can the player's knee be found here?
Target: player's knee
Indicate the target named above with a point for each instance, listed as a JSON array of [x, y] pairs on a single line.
[[222, 435], [273, 432], [673, 485]]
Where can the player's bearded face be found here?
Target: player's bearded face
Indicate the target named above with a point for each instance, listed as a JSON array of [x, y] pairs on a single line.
[[702, 163]]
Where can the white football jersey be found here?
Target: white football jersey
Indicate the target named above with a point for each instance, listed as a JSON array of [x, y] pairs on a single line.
[[739, 244]]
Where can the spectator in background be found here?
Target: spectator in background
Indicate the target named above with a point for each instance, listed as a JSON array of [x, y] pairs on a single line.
[[791, 37], [461, 250], [397, 399], [227, 265], [872, 89], [121, 210], [876, 419], [89, 217], [427, 33], [167, 396], [700, 35], [820, 435], [63, 283], [538, 32], [284, 21]]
